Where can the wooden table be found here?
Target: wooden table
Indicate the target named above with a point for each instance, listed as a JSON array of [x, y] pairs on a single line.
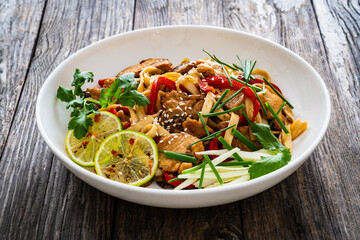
[[41, 199]]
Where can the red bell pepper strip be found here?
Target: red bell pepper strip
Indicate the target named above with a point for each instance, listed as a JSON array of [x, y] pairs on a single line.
[[101, 82], [214, 144], [254, 81], [155, 90], [208, 84], [127, 125], [124, 109], [169, 176], [112, 110]]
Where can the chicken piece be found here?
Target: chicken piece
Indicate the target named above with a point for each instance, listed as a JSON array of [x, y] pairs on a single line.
[[180, 100], [94, 93], [235, 101], [275, 101], [108, 82], [172, 119], [184, 67], [205, 69], [194, 128], [160, 63], [177, 142], [244, 130]]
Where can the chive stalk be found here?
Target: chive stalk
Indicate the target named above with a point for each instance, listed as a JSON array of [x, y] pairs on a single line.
[[218, 61], [231, 97], [228, 147], [223, 112], [211, 136], [174, 179], [202, 176], [245, 83], [261, 104], [227, 75], [220, 99], [277, 113], [231, 164], [246, 117], [193, 169], [207, 159], [276, 117], [203, 123], [244, 140], [277, 92], [179, 156], [92, 101]]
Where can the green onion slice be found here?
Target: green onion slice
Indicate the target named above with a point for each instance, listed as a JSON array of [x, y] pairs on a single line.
[[227, 111], [179, 156], [277, 113], [276, 117], [231, 97], [208, 160], [211, 136], [220, 99], [228, 147], [277, 92], [203, 123], [244, 140], [202, 176], [229, 164]]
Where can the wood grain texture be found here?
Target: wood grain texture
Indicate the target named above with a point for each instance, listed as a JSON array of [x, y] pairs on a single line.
[[157, 223], [298, 208], [20, 22], [39, 199]]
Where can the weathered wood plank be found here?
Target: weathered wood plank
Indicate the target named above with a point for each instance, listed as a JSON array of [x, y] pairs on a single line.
[[20, 21], [321, 200], [156, 223], [39, 198]]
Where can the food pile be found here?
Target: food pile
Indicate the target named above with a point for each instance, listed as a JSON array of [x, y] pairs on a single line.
[[199, 124]]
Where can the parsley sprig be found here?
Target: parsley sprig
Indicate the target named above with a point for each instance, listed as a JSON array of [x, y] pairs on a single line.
[[79, 121], [123, 90], [282, 154]]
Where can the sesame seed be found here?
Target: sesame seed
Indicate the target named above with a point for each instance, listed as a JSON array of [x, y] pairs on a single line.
[[169, 142], [174, 125], [170, 110], [190, 108], [185, 129], [181, 98], [177, 115], [161, 141], [180, 91]]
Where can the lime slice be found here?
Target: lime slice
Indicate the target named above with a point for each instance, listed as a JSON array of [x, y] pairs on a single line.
[[82, 151], [128, 156]]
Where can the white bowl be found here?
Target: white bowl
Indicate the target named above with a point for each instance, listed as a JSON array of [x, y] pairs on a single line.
[[300, 83]]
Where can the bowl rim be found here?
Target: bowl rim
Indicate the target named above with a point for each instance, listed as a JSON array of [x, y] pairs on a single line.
[[73, 167]]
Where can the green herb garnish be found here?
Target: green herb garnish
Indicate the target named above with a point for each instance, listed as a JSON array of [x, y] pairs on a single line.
[[223, 95], [277, 113], [242, 163], [223, 112], [276, 117], [277, 92], [208, 160], [268, 141], [79, 121], [211, 136], [179, 156], [202, 176], [244, 140], [203, 123], [231, 97], [123, 90], [228, 147]]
